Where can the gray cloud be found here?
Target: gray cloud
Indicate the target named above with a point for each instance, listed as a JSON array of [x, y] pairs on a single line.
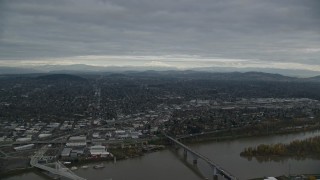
[[278, 31]]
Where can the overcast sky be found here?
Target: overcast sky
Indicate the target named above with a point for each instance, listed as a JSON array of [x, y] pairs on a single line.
[[178, 33]]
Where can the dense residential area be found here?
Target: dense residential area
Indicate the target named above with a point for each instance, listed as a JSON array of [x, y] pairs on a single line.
[[106, 117]]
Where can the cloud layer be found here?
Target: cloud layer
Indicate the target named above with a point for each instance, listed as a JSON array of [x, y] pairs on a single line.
[[264, 33]]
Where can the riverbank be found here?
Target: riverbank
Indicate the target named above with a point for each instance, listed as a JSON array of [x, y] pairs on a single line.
[[118, 154], [308, 148], [134, 152], [224, 153], [238, 134], [291, 177]]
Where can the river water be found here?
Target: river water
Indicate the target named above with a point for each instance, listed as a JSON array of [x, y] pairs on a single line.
[[170, 165]]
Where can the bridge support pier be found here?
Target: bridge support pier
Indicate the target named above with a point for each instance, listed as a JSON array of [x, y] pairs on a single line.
[[56, 166], [195, 159], [185, 153], [176, 147], [215, 173]]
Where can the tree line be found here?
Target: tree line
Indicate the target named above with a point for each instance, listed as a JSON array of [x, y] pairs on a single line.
[[298, 148]]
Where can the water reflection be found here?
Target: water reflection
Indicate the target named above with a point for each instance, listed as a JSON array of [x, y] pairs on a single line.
[[278, 159], [226, 154]]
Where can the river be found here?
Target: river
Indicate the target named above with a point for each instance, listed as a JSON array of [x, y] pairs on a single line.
[[170, 165]]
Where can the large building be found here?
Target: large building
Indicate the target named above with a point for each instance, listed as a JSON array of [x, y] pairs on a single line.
[[24, 147], [99, 150], [66, 152], [77, 141], [44, 135], [24, 139]]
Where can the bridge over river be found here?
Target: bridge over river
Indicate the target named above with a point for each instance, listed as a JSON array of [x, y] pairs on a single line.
[[55, 168], [216, 169], [59, 169]]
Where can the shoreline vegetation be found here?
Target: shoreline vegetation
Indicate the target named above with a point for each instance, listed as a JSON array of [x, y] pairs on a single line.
[[302, 176], [242, 133], [308, 148]]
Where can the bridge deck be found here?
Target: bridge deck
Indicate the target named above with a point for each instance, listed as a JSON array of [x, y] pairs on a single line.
[[62, 171]]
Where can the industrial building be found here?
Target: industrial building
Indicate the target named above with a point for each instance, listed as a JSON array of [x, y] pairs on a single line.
[[99, 150], [24, 147], [66, 152], [77, 141]]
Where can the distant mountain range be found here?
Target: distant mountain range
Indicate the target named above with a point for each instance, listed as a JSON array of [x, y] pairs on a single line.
[[286, 72], [315, 78], [188, 74], [227, 76], [82, 68], [16, 70], [58, 77]]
